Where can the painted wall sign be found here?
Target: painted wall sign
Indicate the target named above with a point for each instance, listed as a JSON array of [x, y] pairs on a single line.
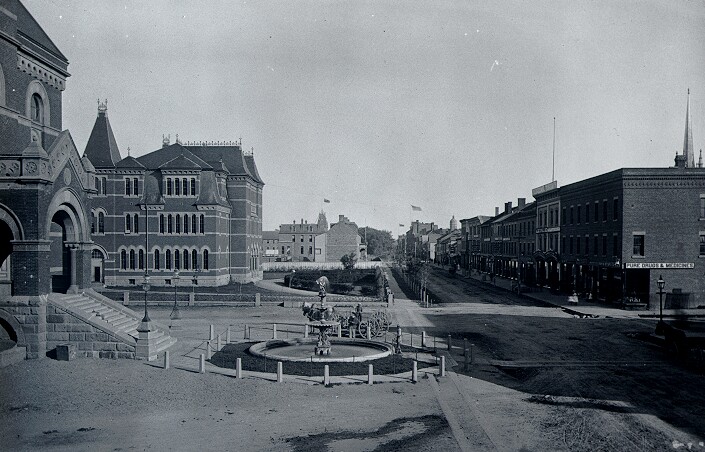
[[671, 265]]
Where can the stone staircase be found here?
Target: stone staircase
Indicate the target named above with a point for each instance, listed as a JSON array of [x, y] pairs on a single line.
[[110, 317]]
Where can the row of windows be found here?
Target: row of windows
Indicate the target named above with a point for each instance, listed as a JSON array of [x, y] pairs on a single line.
[[310, 238], [599, 246], [575, 213], [132, 187], [175, 224], [180, 187], [168, 260], [98, 223], [101, 185]]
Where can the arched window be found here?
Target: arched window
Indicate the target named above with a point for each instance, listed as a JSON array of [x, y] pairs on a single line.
[[194, 260], [161, 223], [37, 108], [185, 224], [128, 223], [156, 260], [177, 259], [123, 260], [101, 223], [193, 224], [96, 254], [177, 187], [205, 259], [185, 259], [185, 186], [178, 224], [203, 224], [141, 260], [193, 186], [168, 259], [169, 224], [132, 259], [135, 224]]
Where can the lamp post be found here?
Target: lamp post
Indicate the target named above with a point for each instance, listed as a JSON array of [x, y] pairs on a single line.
[[661, 284], [145, 285], [175, 314]]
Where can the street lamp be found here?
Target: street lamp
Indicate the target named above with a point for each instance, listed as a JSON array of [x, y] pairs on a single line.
[[175, 314], [661, 284], [145, 287]]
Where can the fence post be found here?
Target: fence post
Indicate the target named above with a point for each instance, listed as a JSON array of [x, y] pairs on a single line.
[[443, 366], [274, 330], [208, 349], [191, 298], [370, 374], [227, 336], [472, 358], [280, 372], [450, 343], [340, 331], [202, 364], [218, 345], [305, 330], [326, 375], [211, 335], [258, 300], [247, 331], [238, 367], [423, 339], [414, 372], [467, 359], [369, 333], [465, 343], [166, 359]]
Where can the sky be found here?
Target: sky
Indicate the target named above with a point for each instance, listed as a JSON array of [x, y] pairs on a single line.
[[380, 105]]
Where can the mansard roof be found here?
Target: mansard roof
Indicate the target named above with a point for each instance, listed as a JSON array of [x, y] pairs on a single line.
[[232, 156], [102, 149], [157, 159], [129, 162]]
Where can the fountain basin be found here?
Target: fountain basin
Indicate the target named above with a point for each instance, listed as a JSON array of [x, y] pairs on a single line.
[[302, 350]]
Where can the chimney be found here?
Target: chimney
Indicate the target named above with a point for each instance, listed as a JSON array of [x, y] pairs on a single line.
[[302, 221], [507, 207], [521, 202], [680, 161], [496, 211], [341, 218], [306, 221], [294, 221]]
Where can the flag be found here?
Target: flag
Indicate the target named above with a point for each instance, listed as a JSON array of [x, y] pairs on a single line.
[[326, 200], [415, 208]]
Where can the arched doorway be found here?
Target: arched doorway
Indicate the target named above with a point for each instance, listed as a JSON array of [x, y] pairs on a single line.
[[97, 266], [61, 233]]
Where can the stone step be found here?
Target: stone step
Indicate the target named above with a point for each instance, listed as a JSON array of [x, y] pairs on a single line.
[[124, 322], [113, 316], [84, 304], [100, 309]]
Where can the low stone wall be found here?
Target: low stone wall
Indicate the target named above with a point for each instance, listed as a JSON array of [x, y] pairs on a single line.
[[91, 342]]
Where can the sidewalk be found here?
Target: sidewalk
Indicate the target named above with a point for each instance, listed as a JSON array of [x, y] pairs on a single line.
[[583, 307]]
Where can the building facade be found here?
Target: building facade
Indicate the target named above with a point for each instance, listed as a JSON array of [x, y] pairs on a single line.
[[195, 209]]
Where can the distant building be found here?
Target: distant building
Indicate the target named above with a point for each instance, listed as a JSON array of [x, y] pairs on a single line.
[[270, 243], [300, 242], [341, 239]]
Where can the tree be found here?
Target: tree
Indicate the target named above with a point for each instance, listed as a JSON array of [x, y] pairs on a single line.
[[379, 243], [349, 260]]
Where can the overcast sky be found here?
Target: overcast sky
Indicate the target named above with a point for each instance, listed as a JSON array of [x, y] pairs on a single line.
[[382, 104]]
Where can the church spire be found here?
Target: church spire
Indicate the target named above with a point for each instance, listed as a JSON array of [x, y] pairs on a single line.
[[688, 151]]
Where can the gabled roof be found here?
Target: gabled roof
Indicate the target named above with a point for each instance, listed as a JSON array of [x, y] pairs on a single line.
[[156, 159], [129, 162], [102, 149], [180, 162], [30, 28]]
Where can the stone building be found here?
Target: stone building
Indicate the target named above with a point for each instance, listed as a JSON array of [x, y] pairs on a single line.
[[203, 204], [46, 192]]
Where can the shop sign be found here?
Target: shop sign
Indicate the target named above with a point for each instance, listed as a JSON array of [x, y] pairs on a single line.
[[666, 265]]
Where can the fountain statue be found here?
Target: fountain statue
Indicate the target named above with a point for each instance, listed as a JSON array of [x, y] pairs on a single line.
[[321, 318]]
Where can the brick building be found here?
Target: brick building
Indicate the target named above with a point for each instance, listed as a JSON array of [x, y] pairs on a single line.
[[303, 241], [195, 208]]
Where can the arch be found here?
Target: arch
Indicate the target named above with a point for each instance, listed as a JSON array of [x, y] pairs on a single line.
[[9, 217], [13, 327], [66, 200], [3, 101], [36, 87]]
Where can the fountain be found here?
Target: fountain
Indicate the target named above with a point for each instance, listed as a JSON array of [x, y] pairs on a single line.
[[321, 318]]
